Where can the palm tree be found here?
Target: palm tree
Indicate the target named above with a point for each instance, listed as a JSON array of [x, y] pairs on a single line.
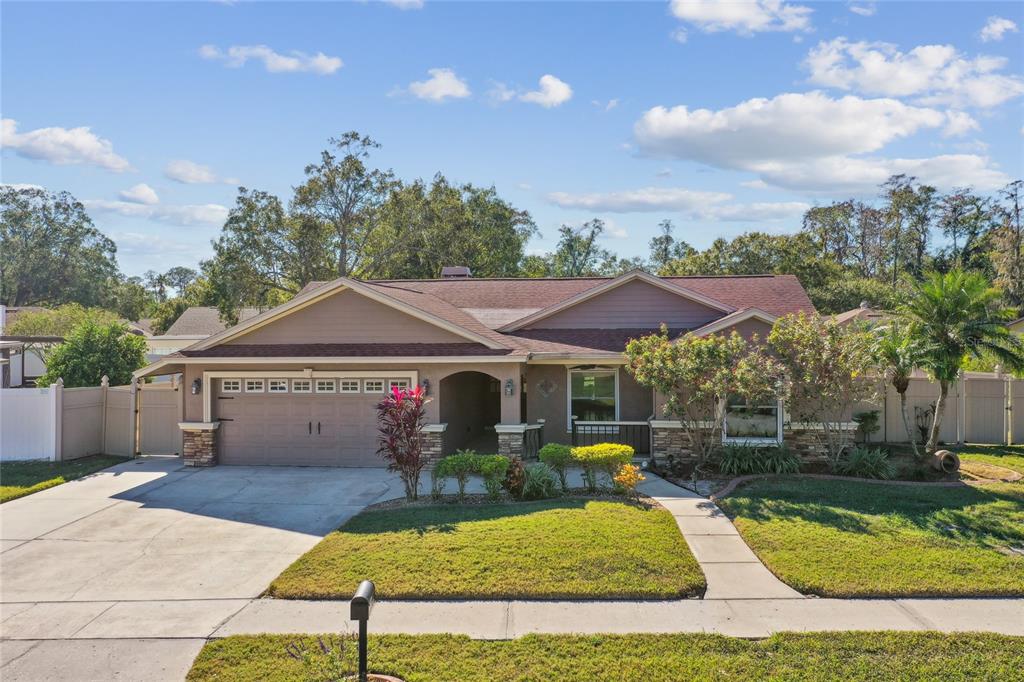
[[899, 352], [958, 315]]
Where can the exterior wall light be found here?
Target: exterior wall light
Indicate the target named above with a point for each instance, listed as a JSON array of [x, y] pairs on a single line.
[[197, 386], [426, 386], [510, 387]]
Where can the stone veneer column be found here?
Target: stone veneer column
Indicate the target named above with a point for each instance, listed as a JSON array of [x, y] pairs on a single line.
[[433, 442], [510, 440], [669, 439], [200, 447]]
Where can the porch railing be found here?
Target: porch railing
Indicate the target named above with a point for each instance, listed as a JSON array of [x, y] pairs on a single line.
[[533, 440], [635, 434]]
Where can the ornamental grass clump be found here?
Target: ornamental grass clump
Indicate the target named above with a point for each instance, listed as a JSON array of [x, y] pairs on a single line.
[[603, 458], [558, 457], [539, 482]]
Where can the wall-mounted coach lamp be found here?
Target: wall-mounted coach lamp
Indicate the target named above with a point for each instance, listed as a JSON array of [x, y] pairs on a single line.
[[510, 388], [426, 386], [197, 386]]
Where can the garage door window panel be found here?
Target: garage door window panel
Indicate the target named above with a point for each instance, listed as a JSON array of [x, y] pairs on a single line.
[[254, 386], [325, 386], [373, 386], [302, 386], [349, 385], [278, 386]]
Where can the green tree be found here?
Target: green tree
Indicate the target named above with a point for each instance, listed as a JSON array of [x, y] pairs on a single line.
[[664, 249], [965, 219], [1008, 247], [578, 254], [129, 298], [957, 315], [92, 350], [695, 373], [827, 370], [180, 277], [846, 292], [59, 321], [197, 293], [50, 252], [899, 351]]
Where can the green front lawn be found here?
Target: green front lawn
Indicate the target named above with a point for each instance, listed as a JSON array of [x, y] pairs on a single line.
[[854, 539], [624, 658], [18, 479], [1009, 457], [568, 548]]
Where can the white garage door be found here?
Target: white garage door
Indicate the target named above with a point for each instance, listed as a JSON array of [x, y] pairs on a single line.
[[326, 429]]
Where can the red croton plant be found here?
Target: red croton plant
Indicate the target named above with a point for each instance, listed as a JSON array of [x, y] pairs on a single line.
[[400, 419]]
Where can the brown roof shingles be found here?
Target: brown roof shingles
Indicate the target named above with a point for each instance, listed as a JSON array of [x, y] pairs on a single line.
[[341, 350]]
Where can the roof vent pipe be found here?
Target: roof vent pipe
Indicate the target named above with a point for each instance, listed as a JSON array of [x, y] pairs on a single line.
[[455, 272]]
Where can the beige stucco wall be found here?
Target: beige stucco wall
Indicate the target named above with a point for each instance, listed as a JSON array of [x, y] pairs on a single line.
[[434, 373], [348, 317]]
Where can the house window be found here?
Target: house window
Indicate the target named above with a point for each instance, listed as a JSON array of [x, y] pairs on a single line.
[[302, 386], [757, 422], [373, 386], [278, 386], [593, 395], [325, 385], [350, 385], [230, 385], [254, 385], [398, 383]]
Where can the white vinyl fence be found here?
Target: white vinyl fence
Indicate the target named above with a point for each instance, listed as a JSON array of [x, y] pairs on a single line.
[[57, 423]]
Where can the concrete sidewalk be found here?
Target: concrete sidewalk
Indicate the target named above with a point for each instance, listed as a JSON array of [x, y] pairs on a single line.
[[731, 568]]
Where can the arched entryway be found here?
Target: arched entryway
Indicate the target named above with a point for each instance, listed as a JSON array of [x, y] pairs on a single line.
[[470, 403]]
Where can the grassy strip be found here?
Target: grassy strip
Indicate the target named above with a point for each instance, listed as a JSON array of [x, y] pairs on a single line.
[[569, 548], [619, 658], [851, 539], [18, 479], [1009, 457]]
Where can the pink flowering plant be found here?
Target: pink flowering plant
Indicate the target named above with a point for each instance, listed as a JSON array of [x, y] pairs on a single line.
[[400, 419]]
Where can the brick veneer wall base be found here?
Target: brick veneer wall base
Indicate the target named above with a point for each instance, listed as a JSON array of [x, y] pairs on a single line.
[[200, 448]]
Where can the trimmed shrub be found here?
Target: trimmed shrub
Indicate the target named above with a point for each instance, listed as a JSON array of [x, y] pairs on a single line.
[[741, 460], [493, 468], [539, 482], [437, 483], [459, 466], [558, 457], [606, 458], [866, 463], [628, 478], [515, 479]]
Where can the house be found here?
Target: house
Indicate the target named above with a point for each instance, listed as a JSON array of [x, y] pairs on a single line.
[[21, 357], [862, 314], [500, 359], [194, 324]]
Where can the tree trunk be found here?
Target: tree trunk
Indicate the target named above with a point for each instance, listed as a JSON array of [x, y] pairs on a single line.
[[940, 407], [911, 433]]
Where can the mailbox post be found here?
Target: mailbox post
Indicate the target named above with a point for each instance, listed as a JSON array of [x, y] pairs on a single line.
[[359, 610]]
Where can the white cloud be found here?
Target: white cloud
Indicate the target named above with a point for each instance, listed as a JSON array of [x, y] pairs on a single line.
[[442, 84], [959, 123], [62, 146], [754, 184], [187, 215], [605, 106], [274, 62], [192, 173], [18, 186], [679, 35], [140, 194], [695, 204], [139, 244], [786, 127], [864, 9], [996, 28], [934, 74], [500, 93], [405, 4], [553, 92], [638, 200], [811, 142], [664, 173], [745, 18]]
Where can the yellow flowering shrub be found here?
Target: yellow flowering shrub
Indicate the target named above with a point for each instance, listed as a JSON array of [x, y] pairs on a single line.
[[628, 478]]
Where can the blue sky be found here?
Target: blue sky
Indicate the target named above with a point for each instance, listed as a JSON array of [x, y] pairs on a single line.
[[722, 117]]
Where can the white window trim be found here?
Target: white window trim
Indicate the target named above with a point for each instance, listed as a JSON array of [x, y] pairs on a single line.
[[342, 389], [396, 382], [333, 389], [568, 390], [209, 376], [224, 386], [261, 389], [302, 390], [748, 441], [373, 391]]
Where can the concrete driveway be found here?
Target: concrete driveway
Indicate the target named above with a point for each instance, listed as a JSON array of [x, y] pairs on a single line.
[[96, 574]]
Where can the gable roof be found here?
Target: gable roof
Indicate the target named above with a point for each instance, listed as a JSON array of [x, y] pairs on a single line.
[[204, 321], [414, 303], [608, 285], [734, 319]]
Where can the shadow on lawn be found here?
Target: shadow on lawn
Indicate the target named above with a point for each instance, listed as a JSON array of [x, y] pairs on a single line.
[[443, 518], [979, 515]]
